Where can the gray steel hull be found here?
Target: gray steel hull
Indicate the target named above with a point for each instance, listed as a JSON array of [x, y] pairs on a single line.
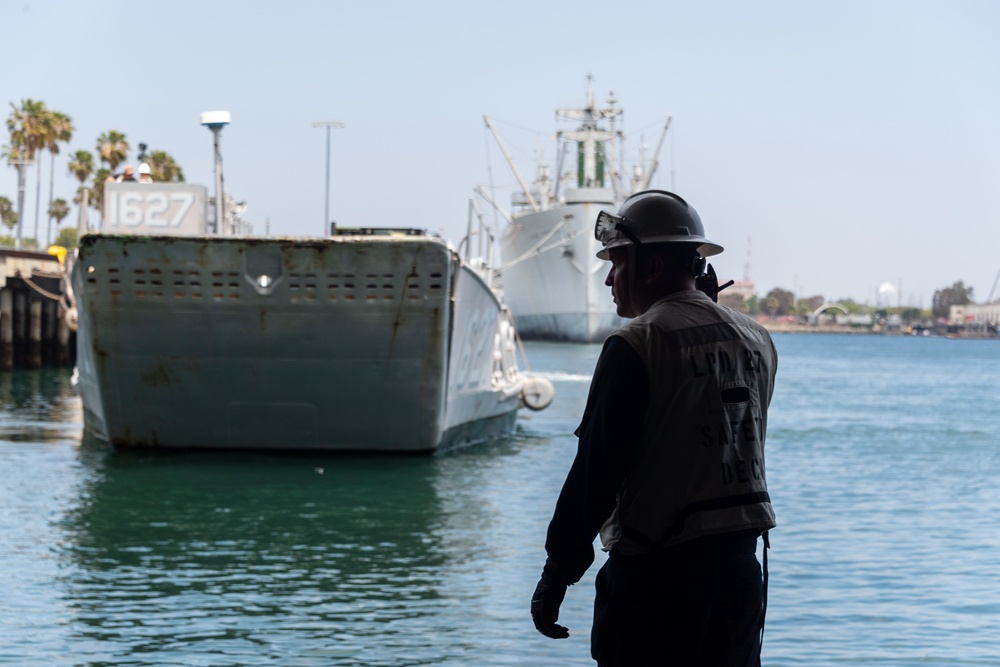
[[554, 283], [381, 344]]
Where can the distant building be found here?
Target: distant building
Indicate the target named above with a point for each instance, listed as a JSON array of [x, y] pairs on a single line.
[[736, 295], [855, 319], [744, 288], [975, 313]]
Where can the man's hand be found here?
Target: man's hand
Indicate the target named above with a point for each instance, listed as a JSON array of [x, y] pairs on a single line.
[[549, 594]]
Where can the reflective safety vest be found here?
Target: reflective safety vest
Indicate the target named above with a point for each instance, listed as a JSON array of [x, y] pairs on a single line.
[[699, 467]]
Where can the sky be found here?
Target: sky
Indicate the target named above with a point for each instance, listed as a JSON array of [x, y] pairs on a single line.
[[847, 149]]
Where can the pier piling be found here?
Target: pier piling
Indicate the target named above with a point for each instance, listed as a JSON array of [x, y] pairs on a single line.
[[33, 328], [6, 329]]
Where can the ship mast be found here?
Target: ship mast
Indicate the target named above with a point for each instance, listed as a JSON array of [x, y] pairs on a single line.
[[590, 152]]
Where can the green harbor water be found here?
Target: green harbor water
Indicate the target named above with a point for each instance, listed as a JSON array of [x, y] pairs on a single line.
[[883, 460]]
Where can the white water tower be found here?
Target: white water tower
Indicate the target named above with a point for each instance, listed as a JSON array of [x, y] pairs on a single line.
[[886, 292], [215, 121]]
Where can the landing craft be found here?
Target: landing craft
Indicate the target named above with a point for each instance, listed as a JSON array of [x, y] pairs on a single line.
[[194, 333]]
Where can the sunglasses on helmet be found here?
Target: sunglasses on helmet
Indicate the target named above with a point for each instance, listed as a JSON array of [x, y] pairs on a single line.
[[610, 228]]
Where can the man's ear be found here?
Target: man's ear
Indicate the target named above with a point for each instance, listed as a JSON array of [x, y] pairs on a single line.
[[653, 269]]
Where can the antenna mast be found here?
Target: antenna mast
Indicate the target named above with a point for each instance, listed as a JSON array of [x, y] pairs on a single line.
[[215, 121]]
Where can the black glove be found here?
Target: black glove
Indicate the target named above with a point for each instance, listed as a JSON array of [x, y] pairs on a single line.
[[549, 594]]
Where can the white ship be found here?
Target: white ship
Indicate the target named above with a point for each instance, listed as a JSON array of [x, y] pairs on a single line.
[[552, 280], [368, 340]]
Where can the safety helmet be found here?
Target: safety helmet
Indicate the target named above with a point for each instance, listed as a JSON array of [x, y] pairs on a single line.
[[652, 216], [144, 168]]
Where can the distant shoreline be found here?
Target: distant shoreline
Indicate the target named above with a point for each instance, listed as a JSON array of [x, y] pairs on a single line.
[[797, 328], [794, 327]]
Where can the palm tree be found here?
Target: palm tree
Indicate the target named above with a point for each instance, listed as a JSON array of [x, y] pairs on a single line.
[[112, 148], [164, 168], [58, 210], [81, 165], [27, 129], [81, 200], [96, 191], [43, 133], [60, 131], [13, 156], [7, 214]]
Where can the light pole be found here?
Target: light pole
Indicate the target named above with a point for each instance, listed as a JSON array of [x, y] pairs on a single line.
[[21, 163], [215, 121], [327, 124]]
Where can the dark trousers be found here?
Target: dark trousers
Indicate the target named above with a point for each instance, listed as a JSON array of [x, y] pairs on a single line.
[[697, 604]]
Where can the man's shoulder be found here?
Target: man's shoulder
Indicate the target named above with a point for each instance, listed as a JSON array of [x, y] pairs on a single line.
[[694, 305], [683, 314], [748, 322]]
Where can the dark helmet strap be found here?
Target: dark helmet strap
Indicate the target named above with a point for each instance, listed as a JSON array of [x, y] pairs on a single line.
[[627, 233]]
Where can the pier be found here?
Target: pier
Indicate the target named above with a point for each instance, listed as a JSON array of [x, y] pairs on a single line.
[[34, 328]]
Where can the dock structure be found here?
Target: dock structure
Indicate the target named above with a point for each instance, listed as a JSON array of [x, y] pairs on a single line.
[[34, 328]]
